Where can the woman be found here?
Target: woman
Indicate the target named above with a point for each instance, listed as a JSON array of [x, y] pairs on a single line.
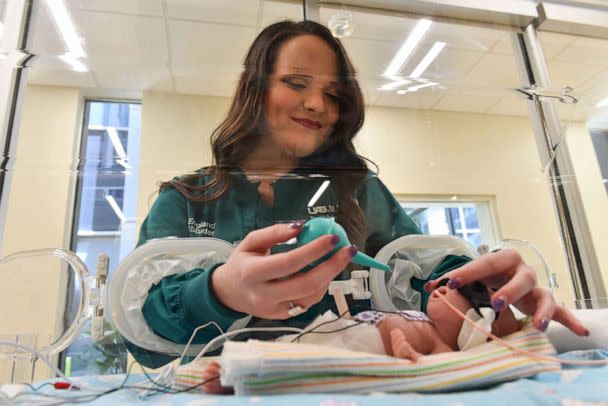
[[288, 131]]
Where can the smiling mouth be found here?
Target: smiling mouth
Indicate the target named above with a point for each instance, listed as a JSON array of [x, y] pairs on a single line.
[[314, 125]]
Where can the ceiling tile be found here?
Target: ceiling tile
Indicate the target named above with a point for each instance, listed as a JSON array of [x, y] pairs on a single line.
[[58, 77], [451, 65], [511, 104], [465, 37], [240, 12], [554, 43], [274, 11], [370, 57], [142, 77], [374, 26], [122, 39], [44, 38], [423, 99], [136, 7], [592, 51], [208, 49], [467, 100], [493, 71], [212, 80], [571, 74]]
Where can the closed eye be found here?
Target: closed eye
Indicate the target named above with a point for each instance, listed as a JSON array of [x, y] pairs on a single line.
[[294, 84]]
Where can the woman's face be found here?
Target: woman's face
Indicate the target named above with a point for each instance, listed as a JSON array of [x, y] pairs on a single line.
[[301, 105]]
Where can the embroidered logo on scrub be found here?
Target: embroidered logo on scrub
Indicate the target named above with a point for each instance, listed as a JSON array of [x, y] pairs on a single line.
[[328, 209], [202, 228]]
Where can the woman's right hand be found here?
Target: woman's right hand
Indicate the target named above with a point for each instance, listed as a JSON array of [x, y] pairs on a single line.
[[255, 282]]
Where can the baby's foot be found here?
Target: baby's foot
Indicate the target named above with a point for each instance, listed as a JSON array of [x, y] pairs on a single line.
[[211, 376], [401, 348]]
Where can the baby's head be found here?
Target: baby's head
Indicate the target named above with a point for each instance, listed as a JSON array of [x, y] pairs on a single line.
[[476, 296]]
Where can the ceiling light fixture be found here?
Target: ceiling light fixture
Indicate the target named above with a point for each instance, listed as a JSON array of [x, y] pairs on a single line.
[[428, 59], [120, 151], [417, 87], [318, 194], [114, 205], [393, 85], [66, 27], [74, 63], [408, 47]]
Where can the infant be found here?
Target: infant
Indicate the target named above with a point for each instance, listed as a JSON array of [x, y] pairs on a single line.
[[405, 334]]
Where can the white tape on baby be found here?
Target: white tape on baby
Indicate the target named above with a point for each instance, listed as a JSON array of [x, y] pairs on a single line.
[[470, 336]]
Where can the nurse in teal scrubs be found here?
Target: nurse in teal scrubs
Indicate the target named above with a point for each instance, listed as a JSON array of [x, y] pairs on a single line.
[[284, 153]]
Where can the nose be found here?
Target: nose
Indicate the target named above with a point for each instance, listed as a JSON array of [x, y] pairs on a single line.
[[315, 101]]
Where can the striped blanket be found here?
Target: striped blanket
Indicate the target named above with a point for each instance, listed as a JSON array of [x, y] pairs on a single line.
[[259, 367]]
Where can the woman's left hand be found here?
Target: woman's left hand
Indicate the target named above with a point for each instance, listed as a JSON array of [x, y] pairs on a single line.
[[515, 283]]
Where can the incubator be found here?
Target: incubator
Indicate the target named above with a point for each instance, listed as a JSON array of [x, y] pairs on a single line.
[[409, 257]]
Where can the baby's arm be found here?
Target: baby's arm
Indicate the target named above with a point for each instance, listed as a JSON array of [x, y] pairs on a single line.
[[409, 338]]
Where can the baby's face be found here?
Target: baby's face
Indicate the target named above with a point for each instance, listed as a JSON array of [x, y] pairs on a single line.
[[448, 324]]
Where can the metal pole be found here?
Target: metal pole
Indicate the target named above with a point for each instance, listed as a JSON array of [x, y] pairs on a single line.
[[574, 228], [12, 87], [311, 10]]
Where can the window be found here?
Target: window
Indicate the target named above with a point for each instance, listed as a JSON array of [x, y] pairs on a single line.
[[104, 217], [471, 220]]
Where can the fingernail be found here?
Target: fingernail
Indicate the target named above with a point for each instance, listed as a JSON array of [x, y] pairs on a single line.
[[453, 283], [335, 239], [427, 287], [297, 224], [499, 303], [544, 323], [352, 250]]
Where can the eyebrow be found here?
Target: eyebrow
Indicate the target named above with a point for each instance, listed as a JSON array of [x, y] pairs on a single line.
[[334, 83]]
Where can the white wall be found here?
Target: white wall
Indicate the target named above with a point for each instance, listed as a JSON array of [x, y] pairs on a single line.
[[39, 214], [175, 134], [448, 153], [592, 188]]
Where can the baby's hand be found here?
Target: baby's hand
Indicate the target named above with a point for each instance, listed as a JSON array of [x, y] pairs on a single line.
[[211, 376], [401, 348]]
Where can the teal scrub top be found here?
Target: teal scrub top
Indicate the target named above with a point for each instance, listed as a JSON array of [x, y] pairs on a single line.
[[180, 303]]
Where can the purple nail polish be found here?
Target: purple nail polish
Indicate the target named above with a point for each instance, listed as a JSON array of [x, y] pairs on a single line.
[[427, 287], [335, 239], [352, 250], [297, 224], [453, 283], [499, 304], [544, 323]]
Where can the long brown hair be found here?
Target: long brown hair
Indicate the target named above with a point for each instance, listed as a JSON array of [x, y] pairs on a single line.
[[240, 131]]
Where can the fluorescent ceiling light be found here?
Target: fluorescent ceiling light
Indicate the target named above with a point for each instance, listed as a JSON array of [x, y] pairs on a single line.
[[408, 47], [114, 205], [74, 63], [318, 193], [113, 134], [120, 151], [417, 87], [393, 85], [603, 103], [66, 27], [428, 59]]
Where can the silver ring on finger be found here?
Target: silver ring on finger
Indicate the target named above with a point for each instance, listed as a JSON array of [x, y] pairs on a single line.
[[295, 310]]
